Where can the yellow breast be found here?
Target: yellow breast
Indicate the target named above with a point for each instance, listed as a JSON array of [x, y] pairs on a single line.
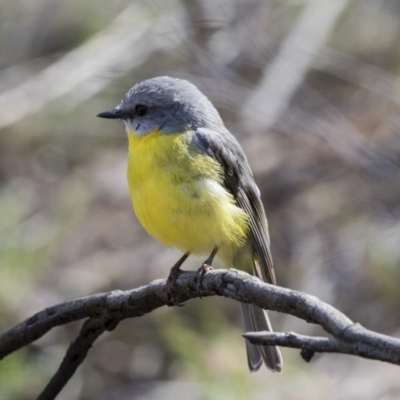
[[178, 197]]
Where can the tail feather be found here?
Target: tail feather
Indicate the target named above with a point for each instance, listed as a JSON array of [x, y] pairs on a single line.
[[256, 319]]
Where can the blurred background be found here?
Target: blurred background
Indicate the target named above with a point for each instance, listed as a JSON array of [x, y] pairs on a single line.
[[311, 90]]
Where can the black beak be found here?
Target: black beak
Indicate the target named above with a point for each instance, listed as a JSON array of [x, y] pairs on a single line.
[[116, 113]]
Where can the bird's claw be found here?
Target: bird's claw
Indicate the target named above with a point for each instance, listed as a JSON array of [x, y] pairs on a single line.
[[200, 275], [170, 288]]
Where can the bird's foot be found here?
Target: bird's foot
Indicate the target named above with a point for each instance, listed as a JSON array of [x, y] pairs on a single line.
[[203, 269], [200, 275], [170, 286]]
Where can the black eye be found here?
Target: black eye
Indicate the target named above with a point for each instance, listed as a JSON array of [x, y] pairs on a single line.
[[141, 110]]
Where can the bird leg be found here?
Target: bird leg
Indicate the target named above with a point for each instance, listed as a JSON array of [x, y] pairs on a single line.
[[174, 273], [206, 266]]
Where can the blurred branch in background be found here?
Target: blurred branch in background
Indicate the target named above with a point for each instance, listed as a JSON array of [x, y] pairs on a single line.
[[284, 75], [109, 55], [106, 310]]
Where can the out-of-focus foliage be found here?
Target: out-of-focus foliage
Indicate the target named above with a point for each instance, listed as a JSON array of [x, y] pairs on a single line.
[[326, 161]]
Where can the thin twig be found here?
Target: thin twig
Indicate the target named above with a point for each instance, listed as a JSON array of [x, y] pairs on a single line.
[[348, 343], [76, 354]]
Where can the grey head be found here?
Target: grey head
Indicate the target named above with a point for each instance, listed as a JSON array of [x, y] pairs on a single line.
[[167, 104]]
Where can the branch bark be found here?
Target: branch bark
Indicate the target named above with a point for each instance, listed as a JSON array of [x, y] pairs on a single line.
[[105, 310], [77, 351]]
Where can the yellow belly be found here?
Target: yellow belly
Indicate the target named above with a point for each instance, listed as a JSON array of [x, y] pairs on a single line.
[[178, 197]]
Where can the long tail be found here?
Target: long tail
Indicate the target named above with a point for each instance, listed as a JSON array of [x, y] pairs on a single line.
[[256, 319]]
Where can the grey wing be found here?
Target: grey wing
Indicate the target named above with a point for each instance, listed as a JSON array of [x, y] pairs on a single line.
[[239, 181]]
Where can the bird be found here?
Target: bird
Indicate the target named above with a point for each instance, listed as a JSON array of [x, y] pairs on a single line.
[[192, 189]]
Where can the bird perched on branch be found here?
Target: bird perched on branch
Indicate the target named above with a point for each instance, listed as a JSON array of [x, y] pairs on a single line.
[[192, 189]]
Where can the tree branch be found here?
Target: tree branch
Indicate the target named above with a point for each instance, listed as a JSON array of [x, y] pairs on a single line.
[[356, 340], [76, 354], [106, 310]]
